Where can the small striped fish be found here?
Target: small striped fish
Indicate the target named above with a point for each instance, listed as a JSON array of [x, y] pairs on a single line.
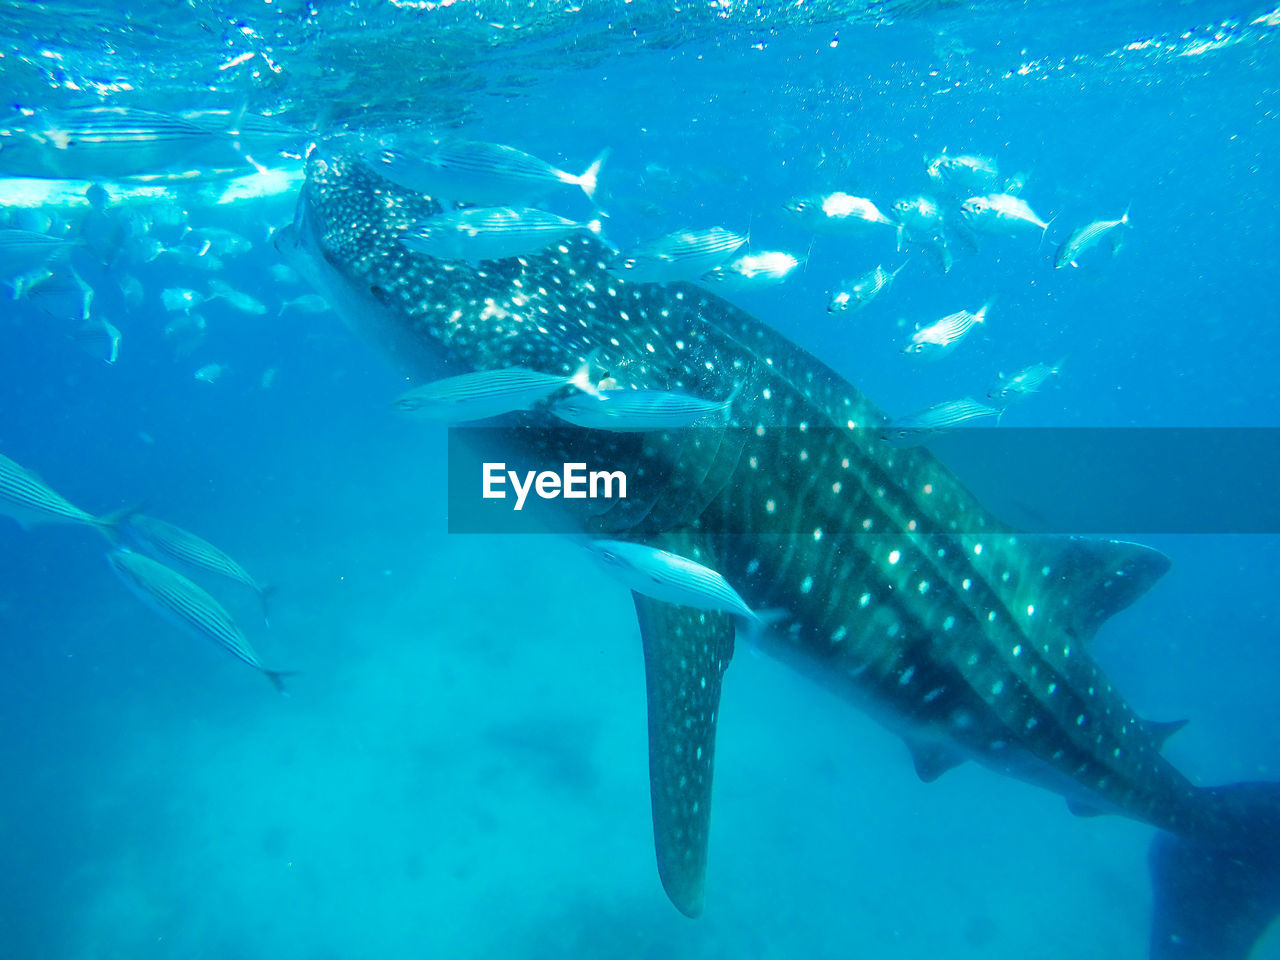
[[173, 542], [22, 251], [181, 601], [941, 338], [490, 233], [1026, 381], [99, 142], [469, 171], [639, 410], [488, 393], [669, 577], [29, 500], [1088, 237], [683, 255], [857, 294], [937, 419]]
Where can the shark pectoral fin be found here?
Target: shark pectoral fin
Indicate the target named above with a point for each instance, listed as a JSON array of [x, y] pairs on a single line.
[[932, 760], [685, 654], [1083, 809]]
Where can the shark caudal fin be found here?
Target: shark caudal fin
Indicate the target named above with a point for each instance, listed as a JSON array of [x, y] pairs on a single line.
[[1215, 898], [686, 652]]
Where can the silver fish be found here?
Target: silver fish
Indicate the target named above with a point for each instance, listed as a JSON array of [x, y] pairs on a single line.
[[837, 214], [30, 501], [965, 174], [490, 233], [220, 242], [487, 393], [1000, 213], [22, 285], [101, 338], [682, 255], [181, 299], [628, 411], [936, 419], [185, 331], [173, 542], [469, 171], [24, 250], [669, 577], [919, 219], [1026, 381], [306, 303], [753, 271], [194, 258], [190, 607], [218, 290], [856, 294], [99, 143], [131, 289], [941, 338], [64, 295], [210, 373], [1101, 232]]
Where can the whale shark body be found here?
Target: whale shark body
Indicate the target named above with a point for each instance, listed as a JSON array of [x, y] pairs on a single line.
[[892, 586]]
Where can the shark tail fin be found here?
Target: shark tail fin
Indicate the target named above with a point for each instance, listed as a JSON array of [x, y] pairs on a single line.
[[1214, 899]]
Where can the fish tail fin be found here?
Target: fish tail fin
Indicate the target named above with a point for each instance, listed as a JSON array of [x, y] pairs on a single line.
[[981, 315], [1044, 231], [276, 678], [109, 524], [596, 227], [755, 628], [1215, 897], [265, 593], [1124, 217], [590, 178], [726, 411], [584, 377]]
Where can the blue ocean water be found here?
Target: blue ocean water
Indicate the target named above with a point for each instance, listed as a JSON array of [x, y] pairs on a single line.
[[460, 769]]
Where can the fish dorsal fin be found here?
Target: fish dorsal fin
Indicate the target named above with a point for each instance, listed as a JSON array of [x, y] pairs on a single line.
[[932, 760], [1088, 581], [685, 654]]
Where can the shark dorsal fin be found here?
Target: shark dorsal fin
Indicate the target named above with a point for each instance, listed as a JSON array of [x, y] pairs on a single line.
[[1095, 579], [685, 654]]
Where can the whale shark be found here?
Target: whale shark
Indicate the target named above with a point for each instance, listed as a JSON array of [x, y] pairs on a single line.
[[889, 583]]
